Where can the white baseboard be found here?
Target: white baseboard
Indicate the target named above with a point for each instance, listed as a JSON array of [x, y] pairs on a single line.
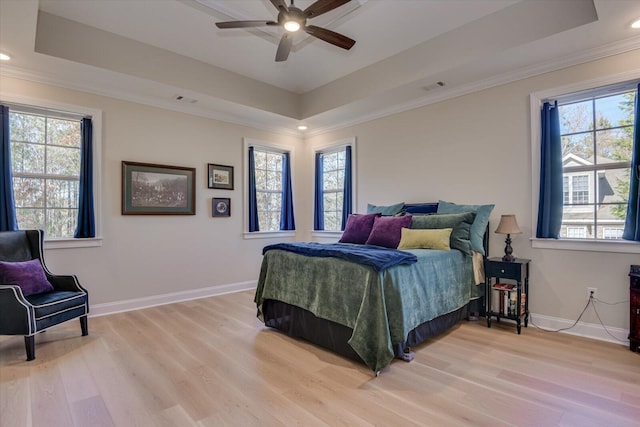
[[146, 302], [588, 330]]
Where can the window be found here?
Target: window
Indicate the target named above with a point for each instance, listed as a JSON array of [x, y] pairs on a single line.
[[46, 142], [597, 136], [334, 172], [333, 166], [268, 174], [268, 189], [596, 123], [45, 162]]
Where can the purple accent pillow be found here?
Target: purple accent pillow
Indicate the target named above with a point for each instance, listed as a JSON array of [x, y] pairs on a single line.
[[358, 228], [387, 231], [29, 275]]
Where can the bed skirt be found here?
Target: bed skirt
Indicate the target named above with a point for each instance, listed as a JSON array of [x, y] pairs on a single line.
[[300, 323]]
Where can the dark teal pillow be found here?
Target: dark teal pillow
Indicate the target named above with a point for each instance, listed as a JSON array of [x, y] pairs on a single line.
[[479, 224], [461, 224], [390, 210]]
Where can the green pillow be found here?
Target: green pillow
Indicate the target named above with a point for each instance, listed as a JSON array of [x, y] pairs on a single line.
[[479, 225], [461, 224], [390, 210], [438, 238]]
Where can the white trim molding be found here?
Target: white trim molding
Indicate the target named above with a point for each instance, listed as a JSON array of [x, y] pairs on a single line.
[[170, 298], [582, 329]]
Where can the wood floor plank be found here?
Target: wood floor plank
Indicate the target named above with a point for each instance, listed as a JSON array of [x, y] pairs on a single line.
[[210, 362]]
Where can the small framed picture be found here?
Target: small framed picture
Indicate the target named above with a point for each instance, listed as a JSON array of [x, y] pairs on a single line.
[[221, 206], [220, 177]]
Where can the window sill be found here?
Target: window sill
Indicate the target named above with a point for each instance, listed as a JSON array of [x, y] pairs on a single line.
[[616, 246], [326, 234], [268, 234], [72, 243]]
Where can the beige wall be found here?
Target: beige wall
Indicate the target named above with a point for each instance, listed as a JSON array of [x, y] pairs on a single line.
[[471, 149], [144, 256], [476, 149]]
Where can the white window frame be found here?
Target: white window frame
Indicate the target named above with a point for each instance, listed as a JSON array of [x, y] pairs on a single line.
[[268, 146], [536, 100], [328, 148], [96, 119]]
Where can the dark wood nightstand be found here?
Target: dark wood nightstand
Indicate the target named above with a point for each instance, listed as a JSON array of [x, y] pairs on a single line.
[[634, 305], [509, 282]]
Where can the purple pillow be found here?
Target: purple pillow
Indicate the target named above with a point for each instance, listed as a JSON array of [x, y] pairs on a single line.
[[29, 275], [358, 228], [388, 230]]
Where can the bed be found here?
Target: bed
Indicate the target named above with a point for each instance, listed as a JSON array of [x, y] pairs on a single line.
[[367, 312]]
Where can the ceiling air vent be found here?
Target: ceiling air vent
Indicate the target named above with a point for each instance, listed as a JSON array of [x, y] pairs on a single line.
[[185, 99], [432, 86]]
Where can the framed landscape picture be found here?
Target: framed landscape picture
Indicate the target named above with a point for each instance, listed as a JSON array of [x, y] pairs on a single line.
[[220, 177], [221, 206], [149, 189]]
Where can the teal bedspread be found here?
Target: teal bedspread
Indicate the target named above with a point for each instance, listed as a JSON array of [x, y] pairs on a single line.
[[380, 307]]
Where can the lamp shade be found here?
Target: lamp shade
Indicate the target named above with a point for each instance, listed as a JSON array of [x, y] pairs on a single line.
[[508, 225]]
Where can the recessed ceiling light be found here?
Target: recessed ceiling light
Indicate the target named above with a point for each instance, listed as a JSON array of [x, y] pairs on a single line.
[[303, 127], [4, 57], [636, 24]]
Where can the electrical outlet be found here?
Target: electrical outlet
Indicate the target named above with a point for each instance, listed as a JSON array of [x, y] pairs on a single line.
[[592, 292]]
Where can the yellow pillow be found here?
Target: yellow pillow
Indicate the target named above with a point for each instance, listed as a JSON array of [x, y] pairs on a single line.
[[425, 238]]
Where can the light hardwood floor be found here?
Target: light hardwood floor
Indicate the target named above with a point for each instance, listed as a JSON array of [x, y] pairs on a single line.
[[210, 362]]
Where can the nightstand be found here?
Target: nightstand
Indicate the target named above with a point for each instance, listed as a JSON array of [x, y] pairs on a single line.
[[507, 284]]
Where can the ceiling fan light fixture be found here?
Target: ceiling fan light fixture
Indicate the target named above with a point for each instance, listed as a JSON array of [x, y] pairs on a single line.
[[636, 24], [292, 26]]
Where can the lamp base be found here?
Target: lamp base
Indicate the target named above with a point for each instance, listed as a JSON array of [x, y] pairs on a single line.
[[508, 250]]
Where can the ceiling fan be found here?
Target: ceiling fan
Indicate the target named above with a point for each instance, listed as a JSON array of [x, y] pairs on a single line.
[[293, 19]]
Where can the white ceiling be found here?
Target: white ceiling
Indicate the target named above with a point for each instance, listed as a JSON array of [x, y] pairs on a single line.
[[151, 50]]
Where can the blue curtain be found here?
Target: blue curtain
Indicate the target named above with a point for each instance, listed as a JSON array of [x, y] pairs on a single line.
[[632, 223], [286, 213], [254, 224], [347, 197], [86, 219], [318, 202], [8, 220], [551, 197]]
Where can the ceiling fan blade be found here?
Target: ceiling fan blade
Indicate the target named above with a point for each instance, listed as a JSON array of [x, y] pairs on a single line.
[[284, 47], [322, 6], [330, 36], [244, 24], [281, 5]]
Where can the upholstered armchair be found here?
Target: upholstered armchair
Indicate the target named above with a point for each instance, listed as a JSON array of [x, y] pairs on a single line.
[[32, 299]]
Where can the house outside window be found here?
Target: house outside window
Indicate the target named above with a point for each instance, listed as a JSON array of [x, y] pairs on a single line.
[[45, 163], [597, 135]]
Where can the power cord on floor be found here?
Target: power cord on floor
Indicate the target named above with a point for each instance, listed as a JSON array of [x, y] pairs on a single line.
[[591, 301]]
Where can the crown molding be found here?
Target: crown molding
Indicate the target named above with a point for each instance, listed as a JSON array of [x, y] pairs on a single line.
[[261, 120], [497, 80], [252, 118]]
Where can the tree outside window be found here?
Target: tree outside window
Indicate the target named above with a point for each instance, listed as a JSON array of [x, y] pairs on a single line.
[[268, 170], [45, 161]]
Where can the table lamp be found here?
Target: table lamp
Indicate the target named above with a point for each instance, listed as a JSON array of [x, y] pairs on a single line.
[[508, 225]]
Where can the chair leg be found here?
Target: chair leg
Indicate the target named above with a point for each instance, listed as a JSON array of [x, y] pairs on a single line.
[[83, 325], [30, 345]]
